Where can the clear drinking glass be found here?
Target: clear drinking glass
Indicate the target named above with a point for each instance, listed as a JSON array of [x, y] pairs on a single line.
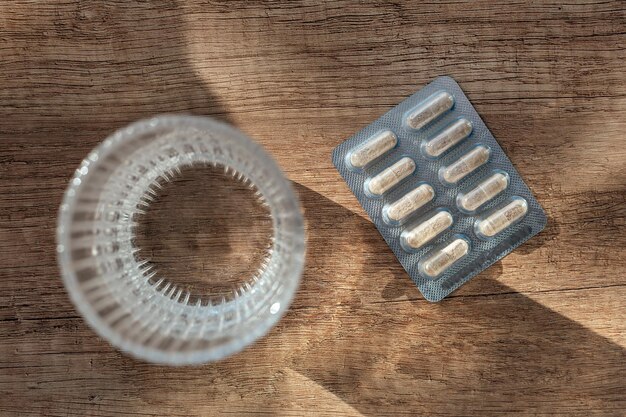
[[134, 309]]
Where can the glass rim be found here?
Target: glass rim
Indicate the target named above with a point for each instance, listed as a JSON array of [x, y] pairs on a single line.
[[252, 330]]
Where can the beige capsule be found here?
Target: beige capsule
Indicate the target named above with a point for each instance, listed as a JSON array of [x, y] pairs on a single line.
[[374, 148], [390, 177], [409, 203], [418, 236], [465, 165], [433, 107], [442, 259], [502, 218], [483, 192], [451, 135]]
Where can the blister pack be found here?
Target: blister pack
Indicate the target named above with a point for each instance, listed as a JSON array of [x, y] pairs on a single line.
[[441, 191]]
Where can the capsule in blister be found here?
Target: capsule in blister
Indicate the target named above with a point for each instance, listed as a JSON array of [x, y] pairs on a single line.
[[483, 192], [443, 258], [416, 237], [502, 218], [390, 177], [408, 204], [374, 148], [430, 109], [465, 165], [451, 135], [441, 191]]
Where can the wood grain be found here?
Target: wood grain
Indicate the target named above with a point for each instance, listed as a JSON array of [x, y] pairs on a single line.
[[541, 332], [205, 231]]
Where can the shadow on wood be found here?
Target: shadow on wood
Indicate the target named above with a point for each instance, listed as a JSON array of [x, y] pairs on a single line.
[[400, 353], [359, 338]]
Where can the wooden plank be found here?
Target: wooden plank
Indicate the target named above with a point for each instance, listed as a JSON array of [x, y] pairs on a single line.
[[503, 353], [540, 332]]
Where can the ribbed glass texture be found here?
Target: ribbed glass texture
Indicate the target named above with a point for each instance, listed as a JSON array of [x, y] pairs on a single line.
[[125, 301]]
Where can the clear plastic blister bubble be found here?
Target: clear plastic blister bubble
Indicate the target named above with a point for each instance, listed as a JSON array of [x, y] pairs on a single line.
[[439, 188], [398, 211]]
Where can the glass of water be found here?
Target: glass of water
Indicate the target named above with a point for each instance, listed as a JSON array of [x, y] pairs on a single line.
[[126, 301]]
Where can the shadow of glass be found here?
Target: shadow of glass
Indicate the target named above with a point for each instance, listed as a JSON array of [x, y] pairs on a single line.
[[358, 327], [482, 284], [387, 351]]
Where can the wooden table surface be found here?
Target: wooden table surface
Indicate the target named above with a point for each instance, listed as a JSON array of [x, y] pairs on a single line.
[[542, 331]]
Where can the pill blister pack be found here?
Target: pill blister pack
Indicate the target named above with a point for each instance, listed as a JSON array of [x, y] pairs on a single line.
[[439, 188]]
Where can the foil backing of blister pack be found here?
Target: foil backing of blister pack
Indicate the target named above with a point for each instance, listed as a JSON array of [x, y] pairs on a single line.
[[402, 168]]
